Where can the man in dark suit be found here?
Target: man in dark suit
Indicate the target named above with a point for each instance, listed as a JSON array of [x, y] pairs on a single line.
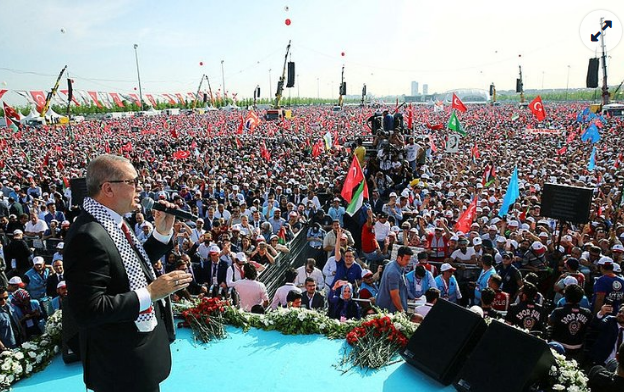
[[375, 202], [121, 308], [602, 380], [610, 334], [55, 278], [312, 299], [216, 272]]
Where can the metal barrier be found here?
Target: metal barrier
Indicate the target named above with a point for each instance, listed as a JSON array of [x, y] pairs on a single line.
[[273, 275]]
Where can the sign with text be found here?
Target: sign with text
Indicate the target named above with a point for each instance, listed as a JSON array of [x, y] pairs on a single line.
[[566, 203]]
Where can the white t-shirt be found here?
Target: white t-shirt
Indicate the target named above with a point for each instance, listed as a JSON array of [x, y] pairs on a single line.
[[463, 257], [381, 230], [412, 151]]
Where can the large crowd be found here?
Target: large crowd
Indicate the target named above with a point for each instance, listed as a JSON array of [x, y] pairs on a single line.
[[254, 190]]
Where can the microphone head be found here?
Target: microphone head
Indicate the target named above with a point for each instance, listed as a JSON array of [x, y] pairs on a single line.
[[147, 203]]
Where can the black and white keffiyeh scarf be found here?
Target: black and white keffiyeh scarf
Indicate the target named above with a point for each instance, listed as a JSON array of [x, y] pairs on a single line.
[[146, 321]]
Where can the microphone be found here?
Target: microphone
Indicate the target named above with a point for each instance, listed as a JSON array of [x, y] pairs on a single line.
[[148, 204]]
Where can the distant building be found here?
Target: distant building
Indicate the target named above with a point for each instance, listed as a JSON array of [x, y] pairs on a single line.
[[425, 89], [414, 88]]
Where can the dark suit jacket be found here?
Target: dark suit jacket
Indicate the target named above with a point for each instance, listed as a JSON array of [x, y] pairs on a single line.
[[53, 281], [376, 205], [606, 338], [115, 355], [318, 301]]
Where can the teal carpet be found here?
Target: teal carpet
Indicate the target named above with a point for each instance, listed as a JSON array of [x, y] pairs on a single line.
[[254, 361]]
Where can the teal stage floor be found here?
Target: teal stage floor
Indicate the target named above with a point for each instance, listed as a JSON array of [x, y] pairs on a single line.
[[253, 361]]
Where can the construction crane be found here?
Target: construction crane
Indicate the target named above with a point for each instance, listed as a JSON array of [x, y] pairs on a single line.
[[280, 83], [52, 93]]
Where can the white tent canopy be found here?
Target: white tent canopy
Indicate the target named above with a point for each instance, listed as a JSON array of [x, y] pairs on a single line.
[[32, 115]]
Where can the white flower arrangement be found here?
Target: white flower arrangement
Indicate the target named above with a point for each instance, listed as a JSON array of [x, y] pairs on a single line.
[[32, 356]]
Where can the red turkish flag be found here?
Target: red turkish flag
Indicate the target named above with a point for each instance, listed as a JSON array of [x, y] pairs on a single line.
[[181, 154], [135, 98], [39, 98], [180, 98], [170, 99], [458, 104], [354, 178], [150, 98], [465, 220], [2, 92], [116, 99], [537, 107], [94, 97], [66, 92]]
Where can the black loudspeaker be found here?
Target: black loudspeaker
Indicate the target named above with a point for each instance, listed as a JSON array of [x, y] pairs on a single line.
[[78, 188], [257, 92], [566, 203], [491, 90], [343, 88], [69, 335], [364, 90], [291, 74], [205, 97], [592, 73], [518, 85], [506, 359], [443, 340], [70, 90]]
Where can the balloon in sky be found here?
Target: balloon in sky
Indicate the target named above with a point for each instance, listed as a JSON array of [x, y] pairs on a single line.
[[4, 83], [63, 31], [286, 8], [135, 89], [201, 63], [342, 54], [287, 21]]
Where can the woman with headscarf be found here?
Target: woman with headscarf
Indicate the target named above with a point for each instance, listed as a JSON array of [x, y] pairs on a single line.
[[28, 312], [343, 307]]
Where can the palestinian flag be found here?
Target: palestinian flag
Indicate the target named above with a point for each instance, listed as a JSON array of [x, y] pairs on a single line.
[[358, 198], [454, 125], [489, 175], [11, 117]]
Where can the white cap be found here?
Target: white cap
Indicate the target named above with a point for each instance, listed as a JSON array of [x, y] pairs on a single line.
[[569, 280], [38, 260], [618, 248], [605, 260], [214, 249], [60, 245], [61, 284], [241, 256], [392, 194], [446, 267], [477, 241]]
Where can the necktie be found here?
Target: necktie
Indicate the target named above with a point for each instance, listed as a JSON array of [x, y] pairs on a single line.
[[126, 232]]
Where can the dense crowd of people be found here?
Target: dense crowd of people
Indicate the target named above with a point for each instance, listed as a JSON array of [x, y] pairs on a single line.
[[254, 190]]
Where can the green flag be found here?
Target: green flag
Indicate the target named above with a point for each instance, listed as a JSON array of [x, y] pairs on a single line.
[[454, 125], [358, 198]]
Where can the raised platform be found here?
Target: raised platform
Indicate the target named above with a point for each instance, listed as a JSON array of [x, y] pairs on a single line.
[[254, 361]]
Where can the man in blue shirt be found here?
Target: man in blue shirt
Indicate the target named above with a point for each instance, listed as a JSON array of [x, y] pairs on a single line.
[[336, 211], [392, 294], [9, 336]]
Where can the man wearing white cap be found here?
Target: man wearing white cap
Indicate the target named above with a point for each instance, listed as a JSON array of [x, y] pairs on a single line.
[[608, 287], [37, 278], [235, 272], [61, 291]]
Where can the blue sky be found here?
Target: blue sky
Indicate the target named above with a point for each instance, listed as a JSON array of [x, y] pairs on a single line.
[[387, 44]]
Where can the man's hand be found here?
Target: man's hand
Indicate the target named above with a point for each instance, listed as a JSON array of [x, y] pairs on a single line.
[[169, 283], [163, 223]]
